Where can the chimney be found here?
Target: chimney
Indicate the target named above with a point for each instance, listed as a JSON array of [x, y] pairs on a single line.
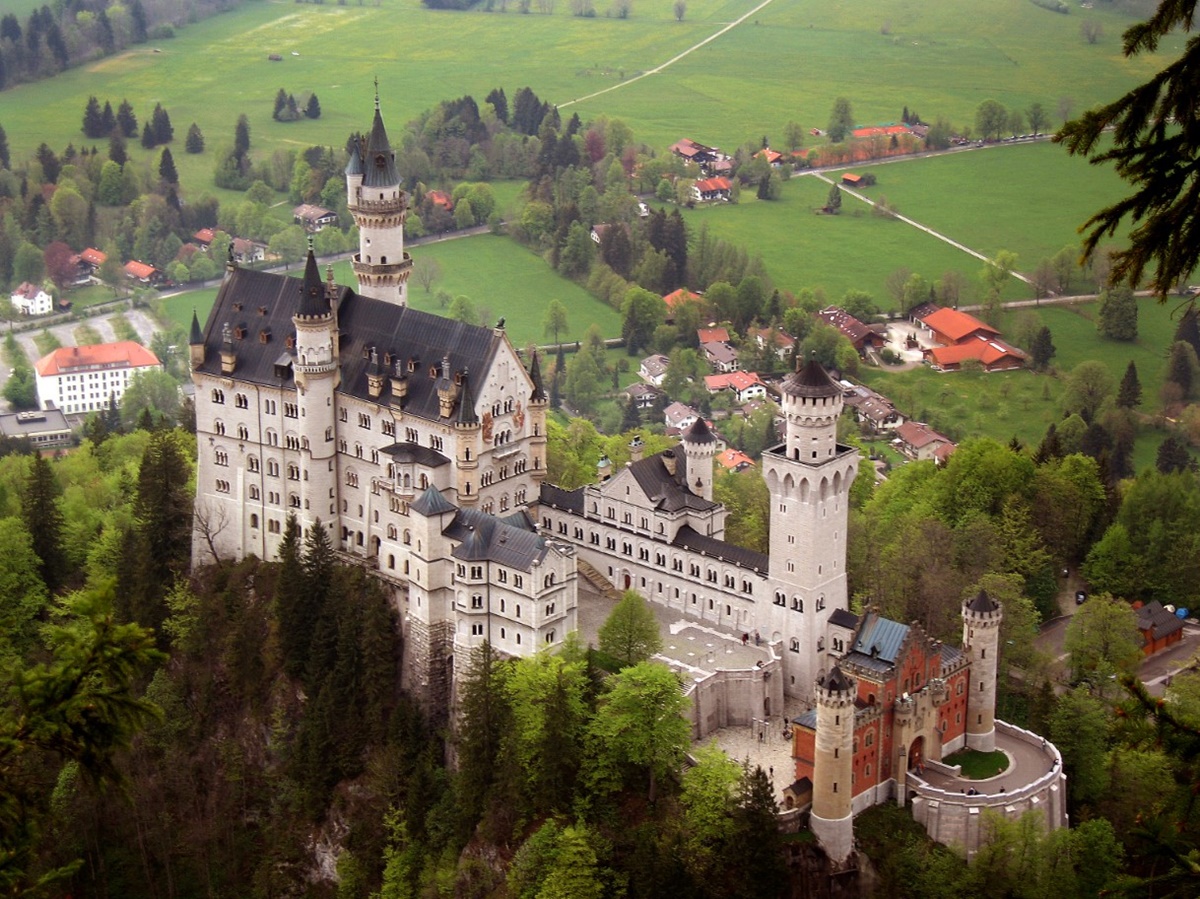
[[669, 461], [636, 446], [604, 469]]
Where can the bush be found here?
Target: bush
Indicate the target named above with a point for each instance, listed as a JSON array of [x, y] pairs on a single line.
[[162, 33]]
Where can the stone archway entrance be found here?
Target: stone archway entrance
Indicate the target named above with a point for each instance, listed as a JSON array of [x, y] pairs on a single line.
[[916, 754], [628, 580]]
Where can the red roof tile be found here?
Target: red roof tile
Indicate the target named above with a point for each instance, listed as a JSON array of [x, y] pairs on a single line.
[[125, 354], [92, 256], [139, 270], [956, 325]]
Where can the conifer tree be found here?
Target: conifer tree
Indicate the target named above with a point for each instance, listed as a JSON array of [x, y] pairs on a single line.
[[39, 509], [108, 121], [313, 108], [292, 112], [317, 565], [5, 160], [163, 132], [148, 136], [1129, 394], [631, 417], [195, 139], [289, 591], [1050, 447], [116, 150], [126, 119], [241, 137], [1189, 328], [756, 841], [1179, 368], [92, 125], [1173, 456], [166, 167], [280, 103], [1042, 349]]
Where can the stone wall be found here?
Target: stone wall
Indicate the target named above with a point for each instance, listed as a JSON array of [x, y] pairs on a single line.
[[957, 819], [735, 698]]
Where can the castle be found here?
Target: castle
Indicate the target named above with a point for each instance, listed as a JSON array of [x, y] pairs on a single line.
[[419, 443]]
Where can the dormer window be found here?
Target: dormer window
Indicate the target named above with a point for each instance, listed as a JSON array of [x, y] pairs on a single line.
[[380, 162]]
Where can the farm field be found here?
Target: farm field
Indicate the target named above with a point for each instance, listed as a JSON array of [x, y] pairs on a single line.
[[494, 272], [948, 59]]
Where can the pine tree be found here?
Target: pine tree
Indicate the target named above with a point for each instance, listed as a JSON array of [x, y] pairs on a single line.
[[1172, 456], [108, 121], [755, 841], [1042, 349], [137, 15], [195, 139], [313, 109], [631, 417], [317, 565], [1130, 393], [1189, 328], [166, 167], [1179, 368], [280, 103], [126, 119], [1050, 447], [116, 149], [148, 136], [92, 126], [292, 112], [163, 132], [241, 137], [289, 591], [5, 159], [834, 202], [43, 519]]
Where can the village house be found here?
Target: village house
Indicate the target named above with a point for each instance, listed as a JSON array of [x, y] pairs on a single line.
[[773, 157], [43, 428], [146, 275], [722, 357], [744, 385], [88, 263], [248, 251], [643, 396], [711, 189], [653, 369], [873, 411], [922, 443], [30, 299], [440, 198], [679, 417], [992, 354], [784, 343], [861, 336], [1159, 625], [677, 298], [734, 460], [949, 326], [313, 218], [204, 237]]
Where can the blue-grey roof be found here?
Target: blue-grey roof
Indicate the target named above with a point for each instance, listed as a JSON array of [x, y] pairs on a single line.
[[487, 538], [415, 453], [431, 502], [844, 618], [690, 539], [880, 637], [558, 498], [379, 167], [950, 657], [807, 719]]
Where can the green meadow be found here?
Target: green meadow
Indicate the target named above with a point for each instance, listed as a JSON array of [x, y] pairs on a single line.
[[495, 273]]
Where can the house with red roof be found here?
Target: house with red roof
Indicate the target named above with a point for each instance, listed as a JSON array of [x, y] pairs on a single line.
[[991, 352], [83, 378], [204, 237], [745, 385], [880, 131], [30, 299], [772, 157], [711, 189], [850, 179], [440, 198], [782, 342], [949, 326], [861, 336], [142, 273], [734, 460], [691, 151], [677, 298], [313, 218], [93, 258], [920, 442], [712, 335]]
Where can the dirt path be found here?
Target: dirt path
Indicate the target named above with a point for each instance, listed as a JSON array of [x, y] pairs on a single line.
[[672, 60], [911, 222]]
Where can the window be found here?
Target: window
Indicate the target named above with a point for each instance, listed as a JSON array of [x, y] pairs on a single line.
[[518, 581], [291, 410], [293, 471], [780, 599], [253, 491], [243, 432], [476, 601], [821, 602], [364, 420], [294, 500], [219, 427], [272, 526], [254, 520], [222, 486], [794, 645], [343, 415], [240, 400], [797, 604], [411, 435], [269, 407], [477, 629], [435, 443], [218, 397], [273, 468], [388, 427], [220, 457]]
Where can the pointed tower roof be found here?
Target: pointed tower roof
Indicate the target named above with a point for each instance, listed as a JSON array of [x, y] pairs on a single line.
[[354, 166], [699, 432], [811, 381], [314, 302], [982, 603], [836, 681], [535, 375], [379, 168], [466, 401], [431, 503], [195, 336]]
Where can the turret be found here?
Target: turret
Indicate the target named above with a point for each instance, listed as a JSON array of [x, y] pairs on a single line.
[[379, 207], [196, 343], [469, 440], [832, 818], [538, 403], [982, 616], [228, 353], [699, 446], [812, 404]]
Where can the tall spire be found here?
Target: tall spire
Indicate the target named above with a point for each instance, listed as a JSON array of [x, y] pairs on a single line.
[[380, 164], [535, 375], [313, 299]]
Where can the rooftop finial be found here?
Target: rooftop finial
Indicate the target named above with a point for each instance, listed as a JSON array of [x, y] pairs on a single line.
[[310, 243], [377, 92]]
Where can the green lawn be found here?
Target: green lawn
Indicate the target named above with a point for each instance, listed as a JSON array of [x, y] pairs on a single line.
[[494, 272], [978, 765]]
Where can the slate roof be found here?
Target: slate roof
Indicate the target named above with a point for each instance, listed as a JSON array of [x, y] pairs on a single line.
[[810, 381], [807, 719], [699, 433], [1156, 621], [571, 500], [487, 538], [689, 538], [835, 680], [982, 603], [668, 492], [379, 164], [950, 657], [431, 503], [882, 635], [844, 618], [264, 301], [417, 454]]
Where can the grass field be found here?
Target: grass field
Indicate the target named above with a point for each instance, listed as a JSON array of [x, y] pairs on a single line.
[[494, 272]]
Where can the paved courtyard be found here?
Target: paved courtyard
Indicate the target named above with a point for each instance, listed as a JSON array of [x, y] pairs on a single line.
[[1026, 764]]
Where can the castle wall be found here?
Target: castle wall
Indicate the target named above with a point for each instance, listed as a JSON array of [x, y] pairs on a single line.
[[734, 698]]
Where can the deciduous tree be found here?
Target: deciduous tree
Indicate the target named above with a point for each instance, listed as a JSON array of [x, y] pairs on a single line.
[[631, 633], [1118, 319], [841, 120]]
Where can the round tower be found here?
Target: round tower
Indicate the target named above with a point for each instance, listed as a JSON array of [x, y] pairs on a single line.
[[812, 404], [379, 207], [981, 642], [699, 446], [317, 376], [468, 440], [538, 404], [832, 818]]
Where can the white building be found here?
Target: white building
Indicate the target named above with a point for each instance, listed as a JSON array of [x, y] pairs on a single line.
[[29, 299], [81, 379], [414, 439]]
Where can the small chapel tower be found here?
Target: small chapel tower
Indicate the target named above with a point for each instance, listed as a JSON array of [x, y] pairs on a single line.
[[832, 817], [379, 207], [808, 477], [981, 643], [317, 376]]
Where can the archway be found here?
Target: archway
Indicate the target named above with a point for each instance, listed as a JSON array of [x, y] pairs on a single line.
[[628, 581], [916, 754]]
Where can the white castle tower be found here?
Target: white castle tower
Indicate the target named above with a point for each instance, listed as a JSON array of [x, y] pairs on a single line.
[[809, 477], [699, 447], [832, 817], [317, 375], [379, 207], [981, 643]]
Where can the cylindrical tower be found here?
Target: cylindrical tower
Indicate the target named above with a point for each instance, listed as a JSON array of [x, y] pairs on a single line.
[[699, 447], [981, 642], [538, 404], [317, 375], [832, 818], [379, 207], [812, 404]]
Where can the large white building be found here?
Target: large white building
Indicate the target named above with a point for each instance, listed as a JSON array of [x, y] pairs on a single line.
[[81, 379]]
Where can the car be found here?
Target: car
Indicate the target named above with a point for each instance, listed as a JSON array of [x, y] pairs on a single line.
[[1080, 597]]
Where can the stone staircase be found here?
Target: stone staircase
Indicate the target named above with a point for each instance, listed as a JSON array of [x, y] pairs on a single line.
[[598, 581]]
